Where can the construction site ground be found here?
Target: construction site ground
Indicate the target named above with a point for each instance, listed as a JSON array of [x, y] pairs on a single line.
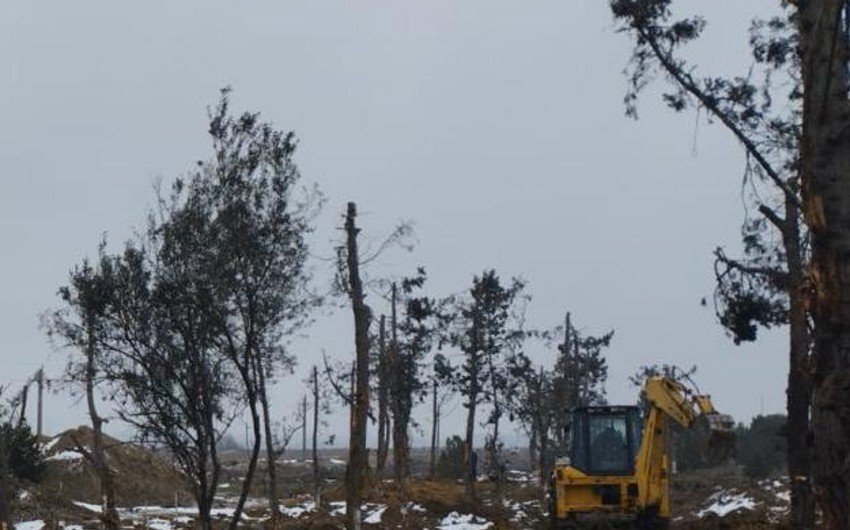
[[152, 494]]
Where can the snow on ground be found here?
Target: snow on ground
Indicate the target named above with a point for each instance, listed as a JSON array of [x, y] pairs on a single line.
[[37, 524], [159, 524], [337, 462], [413, 507], [725, 502], [49, 445], [66, 456], [375, 516], [90, 507], [298, 510], [514, 475], [371, 512], [519, 510], [456, 521]]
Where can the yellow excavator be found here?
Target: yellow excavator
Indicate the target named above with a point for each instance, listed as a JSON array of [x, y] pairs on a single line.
[[618, 465]]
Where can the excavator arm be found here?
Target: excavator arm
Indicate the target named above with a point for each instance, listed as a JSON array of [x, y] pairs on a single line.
[[669, 398]]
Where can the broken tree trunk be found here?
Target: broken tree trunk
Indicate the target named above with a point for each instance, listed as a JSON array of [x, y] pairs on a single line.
[[354, 479]]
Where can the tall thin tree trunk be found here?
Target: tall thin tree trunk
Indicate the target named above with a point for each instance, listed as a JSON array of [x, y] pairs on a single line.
[[4, 492], [532, 447], [317, 478], [435, 421], [383, 416], [825, 164], [109, 515], [357, 445], [304, 428], [251, 398], [471, 472], [24, 393], [271, 457], [495, 451], [399, 424]]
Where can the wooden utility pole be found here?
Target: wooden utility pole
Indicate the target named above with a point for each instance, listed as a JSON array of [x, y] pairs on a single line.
[[357, 463]]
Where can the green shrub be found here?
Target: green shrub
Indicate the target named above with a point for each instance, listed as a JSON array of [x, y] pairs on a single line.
[[450, 463]]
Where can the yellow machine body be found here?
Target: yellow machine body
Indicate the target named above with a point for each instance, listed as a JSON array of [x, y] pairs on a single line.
[[638, 486]]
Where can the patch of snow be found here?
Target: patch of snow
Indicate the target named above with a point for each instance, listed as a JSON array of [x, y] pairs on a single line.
[[337, 508], [375, 516], [298, 510], [37, 524], [90, 507], [413, 507], [456, 521], [49, 445], [159, 524], [726, 502], [337, 462], [66, 456]]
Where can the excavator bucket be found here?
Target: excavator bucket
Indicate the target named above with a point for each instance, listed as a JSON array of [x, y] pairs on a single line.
[[721, 438]]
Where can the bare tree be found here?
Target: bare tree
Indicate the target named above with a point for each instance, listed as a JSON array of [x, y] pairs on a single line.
[[354, 477]]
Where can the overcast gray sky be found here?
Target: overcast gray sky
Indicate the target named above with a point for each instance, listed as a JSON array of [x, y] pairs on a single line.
[[496, 126]]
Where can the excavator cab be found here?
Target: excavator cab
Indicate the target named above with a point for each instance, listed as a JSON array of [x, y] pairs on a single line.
[[604, 440]]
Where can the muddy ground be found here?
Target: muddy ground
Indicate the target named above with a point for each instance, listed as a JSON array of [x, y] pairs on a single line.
[[152, 494]]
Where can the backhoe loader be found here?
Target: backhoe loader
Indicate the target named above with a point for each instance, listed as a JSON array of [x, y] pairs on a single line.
[[618, 466]]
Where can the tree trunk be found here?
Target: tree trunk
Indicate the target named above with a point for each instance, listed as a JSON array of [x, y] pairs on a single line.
[[317, 478], [109, 515], [24, 394], [495, 452], [271, 457], [471, 471], [4, 492], [532, 447], [357, 444], [399, 424], [798, 391], [252, 462], [825, 164], [435, 421], [383, 416]]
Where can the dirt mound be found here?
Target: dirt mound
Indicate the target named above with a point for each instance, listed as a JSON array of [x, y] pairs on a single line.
[[140, 476]]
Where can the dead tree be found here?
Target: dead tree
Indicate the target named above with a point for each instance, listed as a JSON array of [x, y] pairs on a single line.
[[357, 456]]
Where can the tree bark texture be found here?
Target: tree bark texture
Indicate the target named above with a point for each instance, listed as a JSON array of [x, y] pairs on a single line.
[[825, 172]]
